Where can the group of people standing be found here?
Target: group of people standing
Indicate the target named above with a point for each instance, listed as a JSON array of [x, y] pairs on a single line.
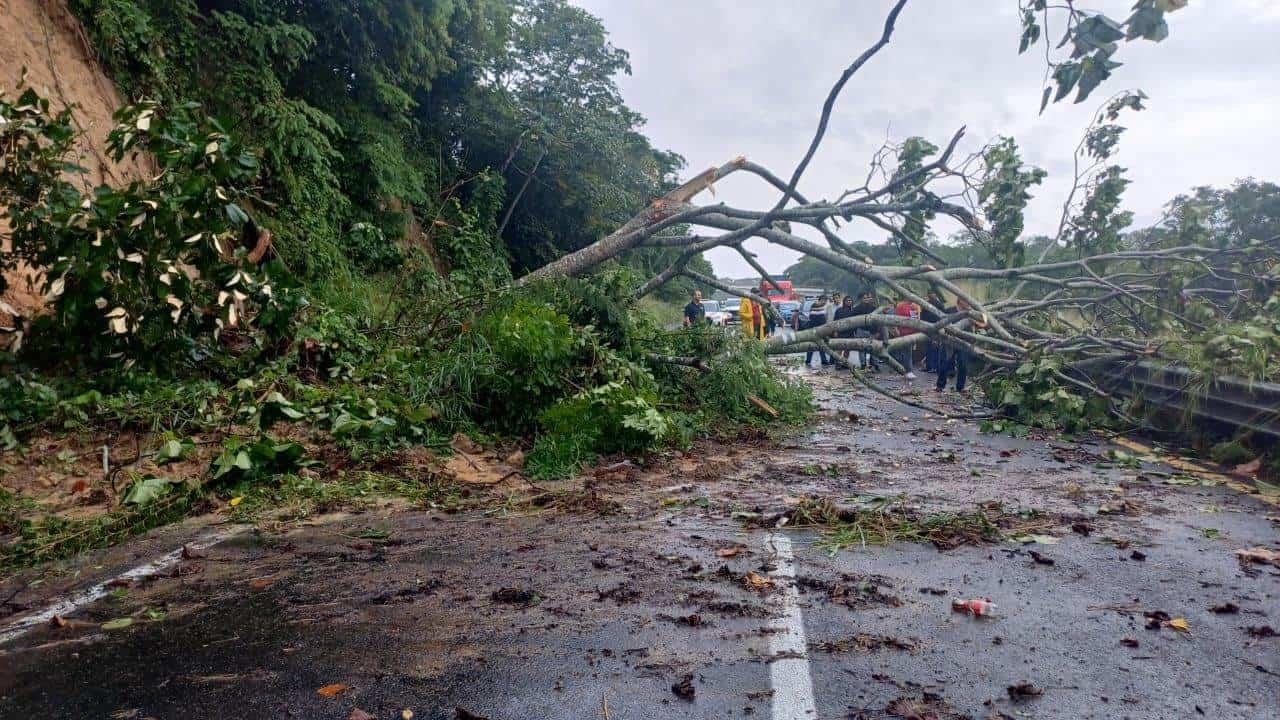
[[938, 357], [756, 321]]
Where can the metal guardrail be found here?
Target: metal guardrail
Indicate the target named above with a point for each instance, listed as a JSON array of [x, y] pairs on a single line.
[[1231, 401]]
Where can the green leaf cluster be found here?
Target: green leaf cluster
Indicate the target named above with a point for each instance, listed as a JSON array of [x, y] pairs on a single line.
[[1094, 39], [1004, 193], [1035, 396], [139, 273]]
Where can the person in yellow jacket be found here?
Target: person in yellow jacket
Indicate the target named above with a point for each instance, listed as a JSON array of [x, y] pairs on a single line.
[[751, 314], [746, 314]]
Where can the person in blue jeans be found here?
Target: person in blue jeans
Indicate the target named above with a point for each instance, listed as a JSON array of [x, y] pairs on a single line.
[[817, 318]]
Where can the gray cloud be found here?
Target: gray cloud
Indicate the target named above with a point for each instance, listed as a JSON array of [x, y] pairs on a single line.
[[721, 78]]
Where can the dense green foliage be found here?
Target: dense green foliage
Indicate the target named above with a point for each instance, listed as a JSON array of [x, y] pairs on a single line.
[[147, 272], [410, 157], [376, 118], [1004, 194], [1035, 396]]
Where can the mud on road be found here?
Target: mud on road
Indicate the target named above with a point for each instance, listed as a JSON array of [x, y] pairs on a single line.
[[669, 591]]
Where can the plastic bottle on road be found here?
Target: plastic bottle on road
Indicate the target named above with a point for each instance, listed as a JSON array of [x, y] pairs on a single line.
[[974, 606]]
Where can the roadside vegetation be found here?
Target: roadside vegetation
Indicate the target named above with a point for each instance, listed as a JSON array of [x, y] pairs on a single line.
[[307, 303], [369, 231]]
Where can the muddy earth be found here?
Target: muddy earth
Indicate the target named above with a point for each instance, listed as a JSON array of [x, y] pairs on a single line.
[[669, 591]]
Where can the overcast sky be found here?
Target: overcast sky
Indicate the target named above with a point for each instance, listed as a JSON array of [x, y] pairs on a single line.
[[721, 78]]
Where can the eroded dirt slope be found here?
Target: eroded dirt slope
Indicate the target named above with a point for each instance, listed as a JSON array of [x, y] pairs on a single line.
[[45, 39]]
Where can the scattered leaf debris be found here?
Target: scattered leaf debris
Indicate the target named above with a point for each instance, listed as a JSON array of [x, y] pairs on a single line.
[[1023, 691], [866, 642], [1040, 558], [515, 596], [684, 688]]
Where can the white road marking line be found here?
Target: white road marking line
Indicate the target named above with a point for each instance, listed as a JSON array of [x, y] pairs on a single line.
[[789, 673], [22, 626]]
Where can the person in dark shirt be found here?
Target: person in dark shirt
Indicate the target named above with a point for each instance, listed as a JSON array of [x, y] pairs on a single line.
[[866, 306], [817, 318], [956, 358], [694, 312], [933, 351], [846, 310]]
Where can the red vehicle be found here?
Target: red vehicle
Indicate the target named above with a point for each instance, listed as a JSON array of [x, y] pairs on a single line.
[[778, 290]]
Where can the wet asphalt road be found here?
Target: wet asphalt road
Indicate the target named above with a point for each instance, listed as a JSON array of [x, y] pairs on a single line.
[[597, 610]]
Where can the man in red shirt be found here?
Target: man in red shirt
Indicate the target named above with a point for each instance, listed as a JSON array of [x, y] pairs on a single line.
[[906, 308]]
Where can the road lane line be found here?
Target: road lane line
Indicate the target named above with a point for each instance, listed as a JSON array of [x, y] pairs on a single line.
[[22, 626], [789, 672]]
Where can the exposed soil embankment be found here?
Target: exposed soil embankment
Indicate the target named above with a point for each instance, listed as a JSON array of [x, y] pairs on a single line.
[[45, 39]]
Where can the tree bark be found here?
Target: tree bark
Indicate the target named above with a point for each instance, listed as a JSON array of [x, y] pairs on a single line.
[[528, 178]]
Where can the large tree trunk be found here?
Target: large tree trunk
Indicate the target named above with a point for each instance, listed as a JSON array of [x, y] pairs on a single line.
[[658, 214]]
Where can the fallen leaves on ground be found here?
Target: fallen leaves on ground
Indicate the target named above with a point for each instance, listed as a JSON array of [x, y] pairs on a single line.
[[1180, 624], [1038, 539], [1249, 468], [684, 688], [929, 706], [1023, 691], [866, 642], [190, 553], [117, 624], [264, 581], [1156, 619], [1260, 555], [332, 689], [515, 596], [1040, 559], [729, 552], [755, 581]]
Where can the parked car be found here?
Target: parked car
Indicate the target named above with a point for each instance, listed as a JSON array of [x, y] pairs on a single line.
[[715, 315], [730, 312], [787, 308], [804, 310]]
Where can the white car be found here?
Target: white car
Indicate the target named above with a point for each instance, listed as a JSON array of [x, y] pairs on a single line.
[[715, 315]]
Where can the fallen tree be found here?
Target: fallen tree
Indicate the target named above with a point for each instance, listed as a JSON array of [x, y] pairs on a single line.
[[1103, 298]]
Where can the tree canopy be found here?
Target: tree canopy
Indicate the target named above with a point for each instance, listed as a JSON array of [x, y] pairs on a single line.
[[372, 117]]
